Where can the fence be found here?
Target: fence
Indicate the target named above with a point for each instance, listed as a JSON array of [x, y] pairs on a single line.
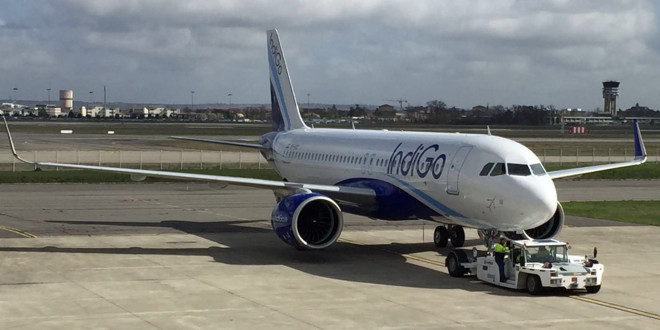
[[587, 156], [253, 159], [141, 159]]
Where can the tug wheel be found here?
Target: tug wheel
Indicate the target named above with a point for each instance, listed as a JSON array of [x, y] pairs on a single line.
[[533, 285], [593, 289], [453, 265]]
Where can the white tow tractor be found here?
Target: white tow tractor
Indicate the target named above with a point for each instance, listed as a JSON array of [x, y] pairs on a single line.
[[532, 265]]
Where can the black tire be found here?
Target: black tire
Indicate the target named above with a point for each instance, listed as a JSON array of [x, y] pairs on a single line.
[[593, 289], [533, 285], [453, 265], [440, 236], [457, 236]]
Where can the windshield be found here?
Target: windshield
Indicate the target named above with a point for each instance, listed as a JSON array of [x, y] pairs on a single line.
[[538, 169], [499, 169], [518, 169], [550, 253]]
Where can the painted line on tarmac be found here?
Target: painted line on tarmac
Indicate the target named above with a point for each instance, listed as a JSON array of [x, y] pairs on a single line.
[[584, 299], [405, 255], [18, 231], [618, 307], [422, 259], [182, 208]]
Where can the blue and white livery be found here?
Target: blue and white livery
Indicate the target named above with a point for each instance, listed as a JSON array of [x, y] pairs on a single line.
[[486, 182]]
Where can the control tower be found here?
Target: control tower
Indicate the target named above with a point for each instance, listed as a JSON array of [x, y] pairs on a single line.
[[610, 92]]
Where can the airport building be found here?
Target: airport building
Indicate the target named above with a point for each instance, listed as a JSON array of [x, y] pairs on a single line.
[[66, 100], [583, 120], [610, 92]]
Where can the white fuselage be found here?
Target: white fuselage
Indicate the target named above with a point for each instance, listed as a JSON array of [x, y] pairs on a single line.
[[435, 176]]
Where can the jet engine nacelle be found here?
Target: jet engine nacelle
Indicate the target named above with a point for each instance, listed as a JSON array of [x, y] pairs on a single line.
[[307, 221], [548, 229]]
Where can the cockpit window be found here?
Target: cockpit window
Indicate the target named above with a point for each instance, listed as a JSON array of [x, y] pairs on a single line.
[[518, 169], [499, 169], [486, 169], [537, 169]]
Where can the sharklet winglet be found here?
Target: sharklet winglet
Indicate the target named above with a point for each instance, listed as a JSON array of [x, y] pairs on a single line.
[[640, 158], [11, 144], [640, 150]]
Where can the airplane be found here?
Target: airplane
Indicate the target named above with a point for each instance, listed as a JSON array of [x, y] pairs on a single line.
[[485, 182]]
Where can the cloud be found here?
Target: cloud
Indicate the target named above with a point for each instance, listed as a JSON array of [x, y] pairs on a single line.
[[463, 52]]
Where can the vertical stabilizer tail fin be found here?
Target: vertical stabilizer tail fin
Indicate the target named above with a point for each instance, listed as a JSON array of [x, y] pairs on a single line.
[[286, 115]]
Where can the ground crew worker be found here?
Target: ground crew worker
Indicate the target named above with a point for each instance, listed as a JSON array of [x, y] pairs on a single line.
[[543, 255], [500, 251]]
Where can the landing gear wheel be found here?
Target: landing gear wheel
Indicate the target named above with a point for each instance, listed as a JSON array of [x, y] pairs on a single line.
[[593, 289], [533, 285], [453, 265], [457, 236], [440, 236]]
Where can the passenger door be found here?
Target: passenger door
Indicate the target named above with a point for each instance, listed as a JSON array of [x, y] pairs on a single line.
[[455, 169]]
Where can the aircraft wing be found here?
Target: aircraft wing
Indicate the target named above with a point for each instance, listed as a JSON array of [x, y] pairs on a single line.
[[640, 157], [139, 174], [231, 143]]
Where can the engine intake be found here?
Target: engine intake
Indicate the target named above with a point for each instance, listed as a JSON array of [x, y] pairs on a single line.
[[548, 229], [307, 221]]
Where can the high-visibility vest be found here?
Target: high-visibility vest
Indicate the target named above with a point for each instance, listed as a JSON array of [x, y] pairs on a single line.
[[500, 248]]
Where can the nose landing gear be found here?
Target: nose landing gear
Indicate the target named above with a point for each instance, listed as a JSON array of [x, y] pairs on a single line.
[[453, 233]]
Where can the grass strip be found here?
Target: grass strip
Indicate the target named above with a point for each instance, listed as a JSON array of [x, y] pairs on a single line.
[[641, 212], [646, 171]]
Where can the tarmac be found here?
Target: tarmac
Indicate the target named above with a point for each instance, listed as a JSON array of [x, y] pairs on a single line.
[[194, 256]]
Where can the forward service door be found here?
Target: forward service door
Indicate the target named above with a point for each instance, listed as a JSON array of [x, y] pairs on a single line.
[[455, 169]]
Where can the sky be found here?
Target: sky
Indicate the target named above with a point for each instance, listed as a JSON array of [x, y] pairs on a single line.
[[465, 53]]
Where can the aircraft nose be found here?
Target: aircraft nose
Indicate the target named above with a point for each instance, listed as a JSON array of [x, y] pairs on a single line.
[[539, 198]]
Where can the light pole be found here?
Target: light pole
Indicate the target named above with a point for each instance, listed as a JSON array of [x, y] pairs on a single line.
[[192, 100], [307, 100], [15, 91], [229, 99], [91, 96], [48, 89]]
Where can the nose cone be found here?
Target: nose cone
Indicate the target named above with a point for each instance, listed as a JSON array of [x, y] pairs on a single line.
[[538, 200]]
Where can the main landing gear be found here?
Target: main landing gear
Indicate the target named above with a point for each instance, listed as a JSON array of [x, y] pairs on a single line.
[[453, 233]]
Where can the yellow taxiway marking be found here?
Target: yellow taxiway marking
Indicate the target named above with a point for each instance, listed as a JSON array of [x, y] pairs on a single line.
[[418, 258], [618, 307], [18, 231], [581, 298], [405, 255]]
